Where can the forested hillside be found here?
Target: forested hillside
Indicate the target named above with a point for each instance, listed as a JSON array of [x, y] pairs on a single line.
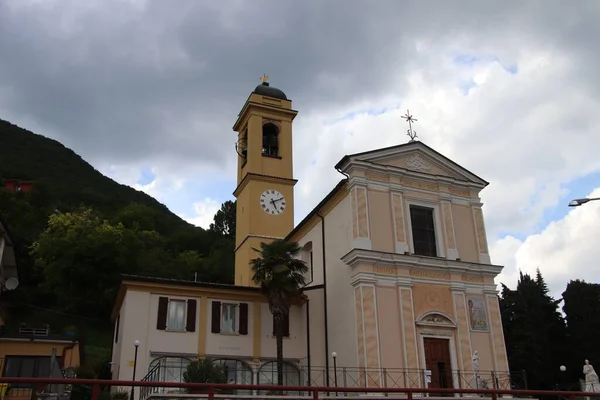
[[78, 230]]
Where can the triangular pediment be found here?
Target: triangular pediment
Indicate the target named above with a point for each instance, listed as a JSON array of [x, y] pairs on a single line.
[[416, 157]]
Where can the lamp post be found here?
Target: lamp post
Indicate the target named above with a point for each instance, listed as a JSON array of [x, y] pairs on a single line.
[[560, 386], [334, 355], [580, 202], [136, 344]]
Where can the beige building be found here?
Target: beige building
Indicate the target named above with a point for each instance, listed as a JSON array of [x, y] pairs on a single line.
[[401, 287]]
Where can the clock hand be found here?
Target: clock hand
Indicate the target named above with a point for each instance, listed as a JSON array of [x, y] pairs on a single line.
[[273, 202]]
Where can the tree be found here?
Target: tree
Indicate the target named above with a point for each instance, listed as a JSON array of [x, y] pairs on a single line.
[[281, 278], [80, 253], [534, 331], [582, 313], [224, 220]]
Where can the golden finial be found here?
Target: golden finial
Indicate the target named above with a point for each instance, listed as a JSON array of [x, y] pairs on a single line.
[[264, 78]]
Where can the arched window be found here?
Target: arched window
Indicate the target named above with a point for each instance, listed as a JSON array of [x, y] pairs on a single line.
[[243, 144], [237, 371], [270, 140], [168, 369], [267, 374]]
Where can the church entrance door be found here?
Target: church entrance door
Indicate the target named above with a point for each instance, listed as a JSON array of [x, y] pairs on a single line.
[[437, 360]]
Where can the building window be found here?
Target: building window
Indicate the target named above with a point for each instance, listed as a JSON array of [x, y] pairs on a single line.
[[423, 231], [270, 140], [31, 367], [267, 374], [168, 369], [237, 372], [176, 314], [229, 318]]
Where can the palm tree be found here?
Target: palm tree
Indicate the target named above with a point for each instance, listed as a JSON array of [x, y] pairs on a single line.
[[281, 278]]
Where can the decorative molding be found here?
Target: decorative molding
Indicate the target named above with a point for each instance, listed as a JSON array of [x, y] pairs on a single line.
[[377, 176], [436, 318], [375, 158], [423, 273], [459, 191], [363, 280], [372, 257], [416, 162], [361, 167], [472, 278]]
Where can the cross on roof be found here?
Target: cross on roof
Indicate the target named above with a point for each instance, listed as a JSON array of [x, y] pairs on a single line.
[[410, 132]]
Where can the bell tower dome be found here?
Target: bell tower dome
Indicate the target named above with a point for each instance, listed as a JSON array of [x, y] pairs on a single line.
[[265, 182]]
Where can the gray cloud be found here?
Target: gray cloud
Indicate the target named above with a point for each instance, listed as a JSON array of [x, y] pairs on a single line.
[[163, 80]]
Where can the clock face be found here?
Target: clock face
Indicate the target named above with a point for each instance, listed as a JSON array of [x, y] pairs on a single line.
[[272, 202]]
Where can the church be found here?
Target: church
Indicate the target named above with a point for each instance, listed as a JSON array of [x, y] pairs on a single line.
[[400, 288]]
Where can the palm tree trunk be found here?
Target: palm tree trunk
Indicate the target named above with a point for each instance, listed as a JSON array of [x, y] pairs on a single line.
[[279, 339]]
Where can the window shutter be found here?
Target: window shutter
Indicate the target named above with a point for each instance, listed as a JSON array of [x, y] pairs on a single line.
[[191, 316], [243, 319], [161, 318], [216, 317], [285, 326]]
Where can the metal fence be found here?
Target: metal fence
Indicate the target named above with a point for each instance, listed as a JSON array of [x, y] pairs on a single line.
[[39, 389], [238, 372], [412, 378]]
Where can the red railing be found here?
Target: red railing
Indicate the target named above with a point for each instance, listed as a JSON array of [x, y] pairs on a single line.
[[212, 391]]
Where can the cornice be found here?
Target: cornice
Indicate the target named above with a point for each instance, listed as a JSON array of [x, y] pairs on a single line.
[[365, 182], [273, 109], [371, 257], [353, 166], [363, 279], [264, 178]]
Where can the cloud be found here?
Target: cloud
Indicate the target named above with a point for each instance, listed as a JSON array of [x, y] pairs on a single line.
[[566, 249], [508, 90], [204, 211]]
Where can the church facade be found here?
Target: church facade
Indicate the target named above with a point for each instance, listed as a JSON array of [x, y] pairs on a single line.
[[400, 284]]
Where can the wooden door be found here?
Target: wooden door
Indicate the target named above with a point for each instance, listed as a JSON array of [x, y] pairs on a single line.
[[437, 360]]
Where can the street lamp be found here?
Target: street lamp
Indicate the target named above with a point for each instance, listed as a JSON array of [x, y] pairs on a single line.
[[136, 344], [580, 202], [334, 355]]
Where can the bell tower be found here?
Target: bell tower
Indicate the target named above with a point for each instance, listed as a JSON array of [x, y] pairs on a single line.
[[265, 179]]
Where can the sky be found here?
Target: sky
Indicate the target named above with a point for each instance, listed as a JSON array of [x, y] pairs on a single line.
[[148, 91]]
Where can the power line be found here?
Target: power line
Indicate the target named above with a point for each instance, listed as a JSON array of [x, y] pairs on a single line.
[[59, 312]]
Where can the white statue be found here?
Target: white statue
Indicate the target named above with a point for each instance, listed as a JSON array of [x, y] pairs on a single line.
[[475, 359], [592, 383], [476, 362]]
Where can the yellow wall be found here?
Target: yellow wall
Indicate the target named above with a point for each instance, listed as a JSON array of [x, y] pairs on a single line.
[[12, 347], [257, 173]]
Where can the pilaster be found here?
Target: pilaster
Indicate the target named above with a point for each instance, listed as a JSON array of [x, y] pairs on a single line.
[[482, 246], [448, 220], [396, 200]]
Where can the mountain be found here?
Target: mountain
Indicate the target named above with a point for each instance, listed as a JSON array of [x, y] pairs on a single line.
[[28, 156], [78, 229]]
